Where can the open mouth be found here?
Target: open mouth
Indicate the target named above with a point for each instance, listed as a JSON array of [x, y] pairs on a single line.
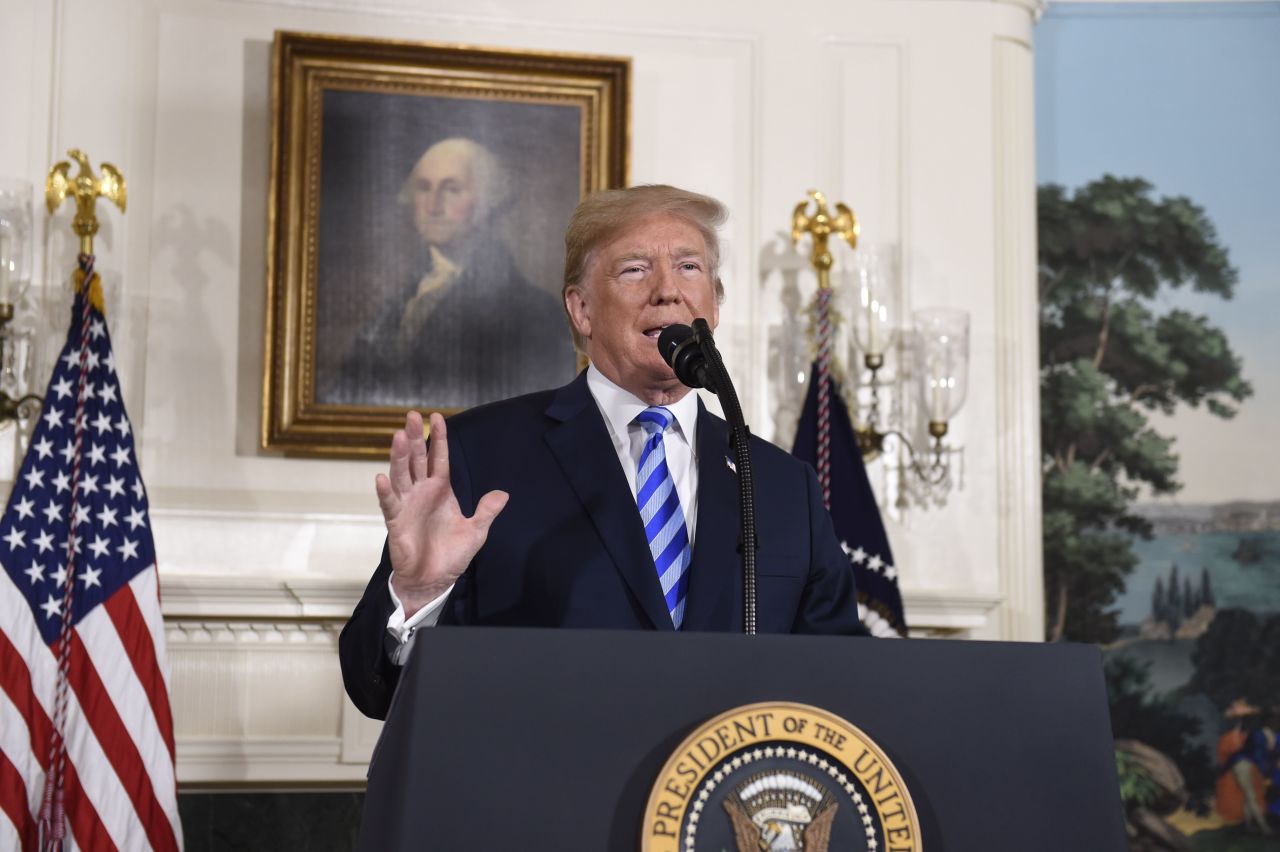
[[655, 331]]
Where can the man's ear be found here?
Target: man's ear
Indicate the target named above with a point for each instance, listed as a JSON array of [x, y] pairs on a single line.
[[579, 314]]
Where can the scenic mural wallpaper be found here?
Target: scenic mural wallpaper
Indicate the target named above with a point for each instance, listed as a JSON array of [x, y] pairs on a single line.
[[1158, 134]]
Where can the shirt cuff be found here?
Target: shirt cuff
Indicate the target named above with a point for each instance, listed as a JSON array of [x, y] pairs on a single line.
[[402, 629]]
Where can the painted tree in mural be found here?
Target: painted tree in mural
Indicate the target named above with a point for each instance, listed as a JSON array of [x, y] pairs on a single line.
[[1110, 356], [1225, 673]]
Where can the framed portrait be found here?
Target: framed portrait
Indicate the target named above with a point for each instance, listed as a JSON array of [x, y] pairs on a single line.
[[419, 196]]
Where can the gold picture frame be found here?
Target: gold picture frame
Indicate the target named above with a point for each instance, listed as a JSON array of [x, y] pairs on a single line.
[[389, 161]]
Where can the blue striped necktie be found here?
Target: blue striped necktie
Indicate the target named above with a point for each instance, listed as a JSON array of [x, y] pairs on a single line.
[[661, 514]]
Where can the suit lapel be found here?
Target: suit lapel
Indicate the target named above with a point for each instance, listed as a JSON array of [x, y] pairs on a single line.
[[579, 442], [715, 572]]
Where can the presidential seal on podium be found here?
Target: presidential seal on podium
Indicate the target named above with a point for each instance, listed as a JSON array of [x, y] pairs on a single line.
[[779, 776]]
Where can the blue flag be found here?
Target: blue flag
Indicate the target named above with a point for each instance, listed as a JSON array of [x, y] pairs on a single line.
[[854, 513]]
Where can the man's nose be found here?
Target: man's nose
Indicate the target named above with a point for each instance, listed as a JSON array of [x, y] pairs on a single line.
[[665, 288]]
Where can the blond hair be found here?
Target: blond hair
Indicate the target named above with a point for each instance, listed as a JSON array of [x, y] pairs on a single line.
[[602, 216]]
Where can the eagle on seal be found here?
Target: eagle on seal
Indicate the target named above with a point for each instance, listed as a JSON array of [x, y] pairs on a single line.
[[776, 835]]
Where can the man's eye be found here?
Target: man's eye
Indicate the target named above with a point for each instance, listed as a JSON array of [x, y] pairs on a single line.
[[690, 266]]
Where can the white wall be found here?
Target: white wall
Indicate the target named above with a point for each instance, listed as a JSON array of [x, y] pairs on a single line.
[[915, 112]]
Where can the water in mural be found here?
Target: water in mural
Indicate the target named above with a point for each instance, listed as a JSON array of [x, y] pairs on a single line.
[[1157, 131]]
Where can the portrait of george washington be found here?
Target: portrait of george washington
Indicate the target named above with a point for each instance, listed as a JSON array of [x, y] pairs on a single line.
[[439, 258]]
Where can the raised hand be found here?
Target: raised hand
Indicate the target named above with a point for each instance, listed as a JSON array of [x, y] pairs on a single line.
[[431, 542]]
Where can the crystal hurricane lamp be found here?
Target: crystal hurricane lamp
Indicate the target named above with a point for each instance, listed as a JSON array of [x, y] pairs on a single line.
[[941, 360], [15, 277], [874, 312], [942, 366]]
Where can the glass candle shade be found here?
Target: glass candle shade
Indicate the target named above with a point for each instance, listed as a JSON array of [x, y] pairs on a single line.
[[871, 299], [942, 361], [15, 238]]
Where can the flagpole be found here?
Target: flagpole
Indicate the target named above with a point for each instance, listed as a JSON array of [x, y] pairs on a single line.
[[821, 226], [829, 439], [85, 188]]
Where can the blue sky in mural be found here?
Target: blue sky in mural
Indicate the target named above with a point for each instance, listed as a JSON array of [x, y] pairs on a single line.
[[1186, 95]]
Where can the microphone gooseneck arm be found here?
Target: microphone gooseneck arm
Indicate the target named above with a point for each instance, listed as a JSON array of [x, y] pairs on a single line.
[[693, 356]]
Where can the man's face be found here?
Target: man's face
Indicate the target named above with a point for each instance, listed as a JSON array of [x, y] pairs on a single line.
[[655, 274], [444, 196]]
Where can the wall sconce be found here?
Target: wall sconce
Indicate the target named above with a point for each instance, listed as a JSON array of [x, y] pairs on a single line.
[[16, 336], [942, 365], [932, 358], [871, 300]]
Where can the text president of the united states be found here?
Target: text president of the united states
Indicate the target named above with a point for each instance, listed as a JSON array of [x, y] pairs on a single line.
[[606, 503]]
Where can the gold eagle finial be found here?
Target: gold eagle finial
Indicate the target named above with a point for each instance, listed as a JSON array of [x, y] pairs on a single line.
[[86, 189], [821, 225]]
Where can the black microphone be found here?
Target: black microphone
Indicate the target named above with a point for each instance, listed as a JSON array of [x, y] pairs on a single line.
[[682, 350], [692, 353]]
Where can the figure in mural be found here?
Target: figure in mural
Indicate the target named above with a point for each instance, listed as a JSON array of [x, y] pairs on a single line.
[[1266, 753], [470, 328], [1259, 758], [1242, 759]]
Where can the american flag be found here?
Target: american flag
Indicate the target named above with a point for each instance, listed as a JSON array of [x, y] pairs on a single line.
[[854, 512], [79, 495]]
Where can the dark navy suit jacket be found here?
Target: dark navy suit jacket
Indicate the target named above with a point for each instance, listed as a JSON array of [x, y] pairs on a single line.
[[569, 549]]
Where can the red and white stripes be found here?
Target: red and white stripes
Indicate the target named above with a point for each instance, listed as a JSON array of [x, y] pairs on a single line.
[[118, 777]]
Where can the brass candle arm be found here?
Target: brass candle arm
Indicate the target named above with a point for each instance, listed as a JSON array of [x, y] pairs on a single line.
[[871, 439]]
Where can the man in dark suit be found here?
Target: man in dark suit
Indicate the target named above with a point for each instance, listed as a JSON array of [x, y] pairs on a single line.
[[610, 502]]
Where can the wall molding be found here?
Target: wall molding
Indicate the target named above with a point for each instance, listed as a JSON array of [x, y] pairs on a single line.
[[215, 598], [414, 12], [950, 614], [255, 683], [410, 10], [271, 762], [241, 610]]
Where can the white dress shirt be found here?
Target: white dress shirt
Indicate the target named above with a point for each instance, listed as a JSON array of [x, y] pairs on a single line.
[[620, 408]]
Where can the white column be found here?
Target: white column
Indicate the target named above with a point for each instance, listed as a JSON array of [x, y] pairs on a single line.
[[1017, 347]]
